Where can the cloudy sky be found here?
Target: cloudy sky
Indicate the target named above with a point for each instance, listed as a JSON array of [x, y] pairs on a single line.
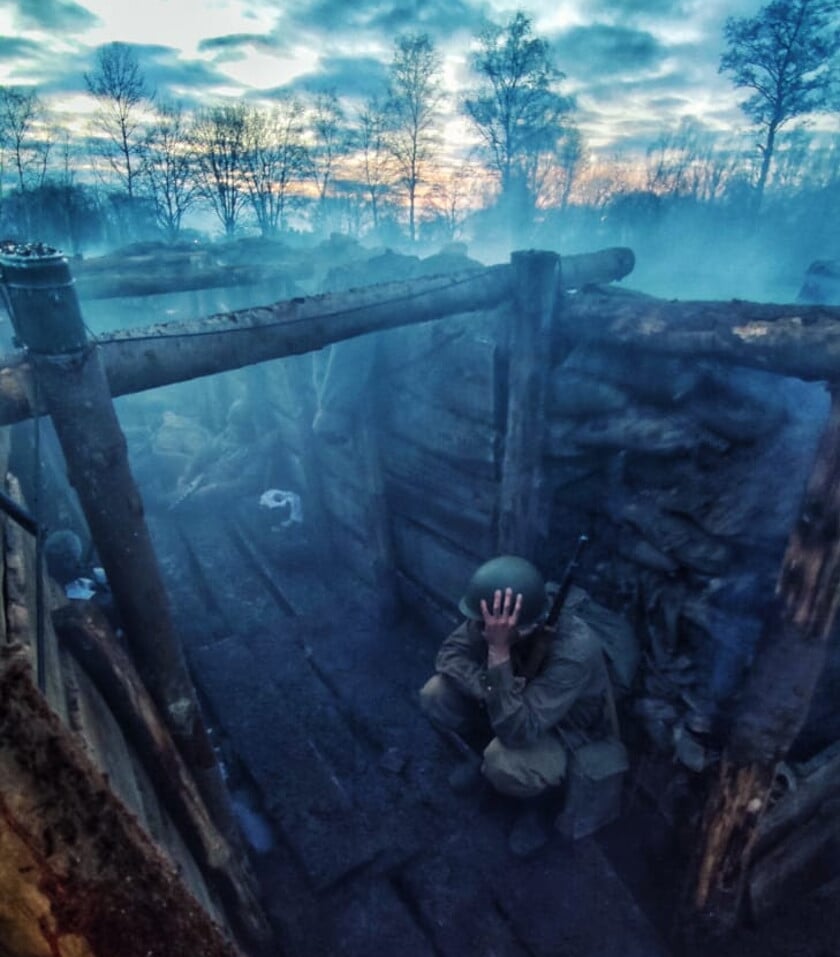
[[635, 66]]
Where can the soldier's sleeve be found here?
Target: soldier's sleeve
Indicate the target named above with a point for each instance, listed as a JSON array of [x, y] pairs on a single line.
[[463, 659], [520, 711]]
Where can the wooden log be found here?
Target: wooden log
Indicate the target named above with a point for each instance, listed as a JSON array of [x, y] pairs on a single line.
[[110, 277], [176, 352], [77, 872], [149, 278], [604, 266], [86, 633], [161, 354], [795, 340], [777, 695], [72, 385], [523, 497]]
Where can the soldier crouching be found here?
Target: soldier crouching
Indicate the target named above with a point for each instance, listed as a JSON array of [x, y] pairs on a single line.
[[536, 692]]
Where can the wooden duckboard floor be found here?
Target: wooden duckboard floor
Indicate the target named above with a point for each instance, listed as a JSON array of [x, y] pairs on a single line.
[[314, 702]]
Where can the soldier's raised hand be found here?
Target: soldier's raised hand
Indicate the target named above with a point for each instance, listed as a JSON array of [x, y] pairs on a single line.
[[500, 624]]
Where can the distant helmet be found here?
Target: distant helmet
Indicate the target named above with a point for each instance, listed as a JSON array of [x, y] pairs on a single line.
[[63, 554], [506, 571]]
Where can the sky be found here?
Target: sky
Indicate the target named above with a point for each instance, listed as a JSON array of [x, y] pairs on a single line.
[[635, 67]]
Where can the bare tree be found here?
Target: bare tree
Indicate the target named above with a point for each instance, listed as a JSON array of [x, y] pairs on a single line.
[[331, 140], [454, 192], [784, 55], [375, 160], [276, 158], [414, 101], [119, 87], [24, 134], [516, 108], [691, 162], [219, 148], [550, 173], [168, 168]]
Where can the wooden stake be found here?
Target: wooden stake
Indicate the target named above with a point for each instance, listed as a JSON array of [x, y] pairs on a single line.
[[523, 504]]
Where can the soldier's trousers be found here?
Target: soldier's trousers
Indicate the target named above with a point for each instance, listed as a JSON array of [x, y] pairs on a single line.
[[519, 772]]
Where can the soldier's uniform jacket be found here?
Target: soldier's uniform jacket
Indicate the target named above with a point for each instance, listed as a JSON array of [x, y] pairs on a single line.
[[566, 695]]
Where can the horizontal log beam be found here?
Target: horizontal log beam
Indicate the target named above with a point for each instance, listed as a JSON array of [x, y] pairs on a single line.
[[795, 340], [161, 354], [149, 279]]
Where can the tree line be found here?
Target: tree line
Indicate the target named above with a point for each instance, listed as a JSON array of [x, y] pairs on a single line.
[[321, 163]]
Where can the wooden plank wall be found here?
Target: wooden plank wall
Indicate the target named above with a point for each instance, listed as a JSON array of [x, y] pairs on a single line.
[[77, 702], [441, 393]]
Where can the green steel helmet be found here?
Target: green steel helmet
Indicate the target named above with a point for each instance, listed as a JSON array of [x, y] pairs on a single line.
[[506, 571]]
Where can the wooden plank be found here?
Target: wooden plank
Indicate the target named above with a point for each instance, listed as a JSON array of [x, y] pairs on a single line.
[[434, 477], [102, 737], [20, 597], [449, 518], [310, 765], [451, 364], [441, 567], [473, 447]]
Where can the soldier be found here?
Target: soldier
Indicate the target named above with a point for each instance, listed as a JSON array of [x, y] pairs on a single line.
[[535, 694], [230, 465]]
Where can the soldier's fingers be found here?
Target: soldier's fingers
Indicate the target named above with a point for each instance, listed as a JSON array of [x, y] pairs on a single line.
[[497, 602], [485, 611], [517, 608], [506, 606]]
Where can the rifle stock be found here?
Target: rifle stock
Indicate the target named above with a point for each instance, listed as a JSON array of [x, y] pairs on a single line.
[[539, 648], [565, 584]]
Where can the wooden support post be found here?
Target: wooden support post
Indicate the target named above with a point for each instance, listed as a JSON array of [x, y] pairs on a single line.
[[775, 702], [71, 382], [523, 505]]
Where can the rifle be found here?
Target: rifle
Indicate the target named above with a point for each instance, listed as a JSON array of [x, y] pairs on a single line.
[[540, 642]]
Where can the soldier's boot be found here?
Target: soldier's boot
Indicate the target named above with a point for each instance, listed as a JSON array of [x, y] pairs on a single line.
[[533, 825], [466, 775]]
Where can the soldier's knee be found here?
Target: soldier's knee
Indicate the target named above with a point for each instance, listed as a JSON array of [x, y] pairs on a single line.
[[505, 771], [434, 697]]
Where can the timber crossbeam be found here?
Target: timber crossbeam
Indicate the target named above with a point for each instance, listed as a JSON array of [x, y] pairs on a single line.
[[791, 340]]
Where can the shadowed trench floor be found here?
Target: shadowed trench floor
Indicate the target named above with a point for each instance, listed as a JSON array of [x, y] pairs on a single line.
[[314, 704]]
